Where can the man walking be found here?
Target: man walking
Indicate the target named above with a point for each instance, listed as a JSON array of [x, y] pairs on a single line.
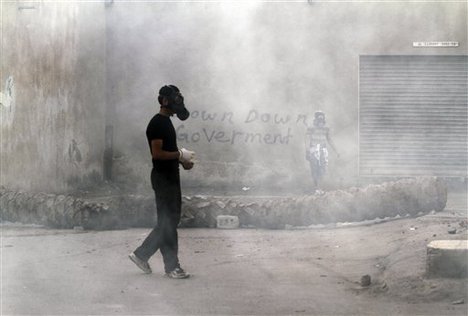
[[165, 181]]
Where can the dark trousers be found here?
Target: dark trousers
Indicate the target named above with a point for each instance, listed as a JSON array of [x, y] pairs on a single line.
[[166, 186]]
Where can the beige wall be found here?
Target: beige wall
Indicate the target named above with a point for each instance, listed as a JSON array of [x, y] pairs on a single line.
[[52, 124]]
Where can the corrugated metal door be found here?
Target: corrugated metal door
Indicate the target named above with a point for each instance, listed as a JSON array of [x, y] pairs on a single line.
[[413, 115]]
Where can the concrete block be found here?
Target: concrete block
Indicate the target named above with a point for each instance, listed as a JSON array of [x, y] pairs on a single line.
[[227, 221], [447, 258]]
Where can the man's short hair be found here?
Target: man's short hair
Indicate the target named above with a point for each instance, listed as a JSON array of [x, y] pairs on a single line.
[[166, 91]]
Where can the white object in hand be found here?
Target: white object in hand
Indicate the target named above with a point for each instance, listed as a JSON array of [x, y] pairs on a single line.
[[186, 155]]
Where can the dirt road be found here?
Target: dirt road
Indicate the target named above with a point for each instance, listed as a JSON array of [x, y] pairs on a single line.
[[245, 271]]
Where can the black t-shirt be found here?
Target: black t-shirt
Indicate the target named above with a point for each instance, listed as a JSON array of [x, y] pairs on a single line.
[[160, 127]]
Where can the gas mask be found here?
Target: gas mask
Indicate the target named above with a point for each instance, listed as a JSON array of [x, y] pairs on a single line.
[[176, 104], [319, 119], [175, 101]]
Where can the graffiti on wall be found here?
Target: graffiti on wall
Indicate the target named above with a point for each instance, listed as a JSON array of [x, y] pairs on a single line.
[[255, 127]]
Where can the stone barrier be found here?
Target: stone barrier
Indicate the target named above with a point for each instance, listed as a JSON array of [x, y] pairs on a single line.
[[408, 196], [67, 211], [404, 197]]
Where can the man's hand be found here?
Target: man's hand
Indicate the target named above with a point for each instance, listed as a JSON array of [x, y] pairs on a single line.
[[186, 155], [187, 165]]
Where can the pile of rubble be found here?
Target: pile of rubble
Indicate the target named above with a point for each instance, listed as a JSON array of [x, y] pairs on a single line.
[[59, 211], [409, 196], [404, 197]]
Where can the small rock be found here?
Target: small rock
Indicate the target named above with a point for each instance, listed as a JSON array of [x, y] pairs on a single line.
[[288, 227], [78, 228], [202, 204], [452, 231], [220, 204], [458, 302], [250, 211], [365, 280]]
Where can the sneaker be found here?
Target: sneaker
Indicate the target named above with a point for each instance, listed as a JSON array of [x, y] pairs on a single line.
[[143, 265], [177, 273]]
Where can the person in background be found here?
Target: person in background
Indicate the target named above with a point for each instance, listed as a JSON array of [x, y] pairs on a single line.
[[317, 138], [165, 181]]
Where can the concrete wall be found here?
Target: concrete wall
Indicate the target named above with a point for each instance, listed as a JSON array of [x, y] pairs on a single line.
[[407, 197], [256, 69], [252, 73], [53, 95]]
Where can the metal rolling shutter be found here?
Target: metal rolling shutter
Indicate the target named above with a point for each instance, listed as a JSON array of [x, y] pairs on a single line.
[[413, 115]]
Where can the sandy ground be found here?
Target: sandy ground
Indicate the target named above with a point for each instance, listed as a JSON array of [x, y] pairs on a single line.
[[242, 271]]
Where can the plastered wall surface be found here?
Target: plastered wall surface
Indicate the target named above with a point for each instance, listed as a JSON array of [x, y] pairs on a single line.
[[52, 124]]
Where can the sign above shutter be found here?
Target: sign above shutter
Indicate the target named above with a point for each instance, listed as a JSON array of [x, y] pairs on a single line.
[[435, 44]]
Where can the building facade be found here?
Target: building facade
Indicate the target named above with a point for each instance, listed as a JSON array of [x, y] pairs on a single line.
[[80, 83]]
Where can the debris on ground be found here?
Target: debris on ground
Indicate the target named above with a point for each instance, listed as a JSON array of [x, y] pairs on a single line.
[[452, 231], [365, 280]]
